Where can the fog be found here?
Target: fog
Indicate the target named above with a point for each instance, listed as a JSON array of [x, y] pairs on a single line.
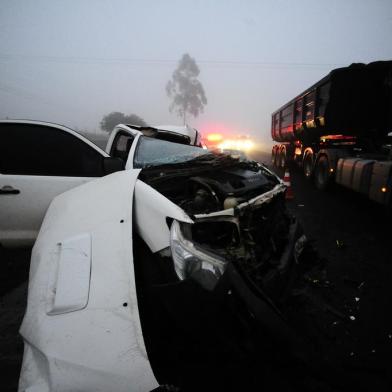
[[72, 62]]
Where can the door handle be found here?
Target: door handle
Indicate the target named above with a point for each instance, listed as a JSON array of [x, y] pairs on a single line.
[[9, 190]]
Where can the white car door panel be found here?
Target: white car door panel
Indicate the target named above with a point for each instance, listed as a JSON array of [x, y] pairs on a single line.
[[24, 203], [39, 161]]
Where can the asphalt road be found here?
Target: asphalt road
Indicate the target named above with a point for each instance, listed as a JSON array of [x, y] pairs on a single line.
[[344, 306], [353, 238]]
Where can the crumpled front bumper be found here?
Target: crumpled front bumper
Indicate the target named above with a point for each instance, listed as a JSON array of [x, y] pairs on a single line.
[[226, 336]]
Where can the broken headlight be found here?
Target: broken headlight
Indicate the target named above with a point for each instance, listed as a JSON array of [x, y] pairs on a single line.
[[192, 262]]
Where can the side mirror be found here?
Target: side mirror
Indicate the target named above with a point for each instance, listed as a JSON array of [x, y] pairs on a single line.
[[111, 165]]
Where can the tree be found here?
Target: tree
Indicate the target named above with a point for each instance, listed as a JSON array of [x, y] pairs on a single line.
[[112, 119], [185, 90]]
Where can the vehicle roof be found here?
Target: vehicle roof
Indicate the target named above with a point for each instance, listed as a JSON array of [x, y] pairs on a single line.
[[189, 133], [182, 129], [58, 126]]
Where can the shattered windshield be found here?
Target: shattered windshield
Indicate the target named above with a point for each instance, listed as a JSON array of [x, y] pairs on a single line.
[[154, 152]]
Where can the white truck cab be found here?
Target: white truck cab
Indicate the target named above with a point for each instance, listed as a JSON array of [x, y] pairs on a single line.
[[124, 139]]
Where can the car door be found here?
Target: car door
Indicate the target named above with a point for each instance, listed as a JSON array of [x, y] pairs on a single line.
[[82, 328], [38, 162], [122, 144]]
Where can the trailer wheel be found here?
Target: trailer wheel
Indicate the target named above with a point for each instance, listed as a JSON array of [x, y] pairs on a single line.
[[308, 166], [273, 156], [282, 160], [322, 173]]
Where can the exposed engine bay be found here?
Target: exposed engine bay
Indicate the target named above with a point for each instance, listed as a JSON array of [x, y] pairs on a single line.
[[214, 191], [210, 183], [223, 278]]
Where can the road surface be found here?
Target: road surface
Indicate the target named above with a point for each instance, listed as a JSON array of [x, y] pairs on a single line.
[[345, 307], [353, 235]]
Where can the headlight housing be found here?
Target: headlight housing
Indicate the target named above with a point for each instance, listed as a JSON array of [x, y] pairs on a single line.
[[192, 262]]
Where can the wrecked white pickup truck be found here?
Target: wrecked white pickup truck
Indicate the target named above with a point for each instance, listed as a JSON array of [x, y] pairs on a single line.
[[165, 275]]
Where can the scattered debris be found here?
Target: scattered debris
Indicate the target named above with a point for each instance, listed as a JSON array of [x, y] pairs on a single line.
[[339, 244], [361, 285], [318, 278], [357, 299], [301, 205], [352, 318]]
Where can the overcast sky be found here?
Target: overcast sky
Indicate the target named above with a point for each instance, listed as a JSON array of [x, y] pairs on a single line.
[[71, 62]]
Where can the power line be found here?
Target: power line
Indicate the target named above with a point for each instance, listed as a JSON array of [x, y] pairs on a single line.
[[141, 61], [30, 96]]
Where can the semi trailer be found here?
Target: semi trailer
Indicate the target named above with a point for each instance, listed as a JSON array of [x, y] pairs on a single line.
[[340, 129]]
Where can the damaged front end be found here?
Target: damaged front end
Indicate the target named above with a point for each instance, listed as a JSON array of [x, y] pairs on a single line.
[[176, 284], [238, 216], [259, 238], [209, 302]]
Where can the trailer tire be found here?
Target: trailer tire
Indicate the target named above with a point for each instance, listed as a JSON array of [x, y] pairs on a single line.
[[322, 173], [273, 156], [308, 166], [282, 160]]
